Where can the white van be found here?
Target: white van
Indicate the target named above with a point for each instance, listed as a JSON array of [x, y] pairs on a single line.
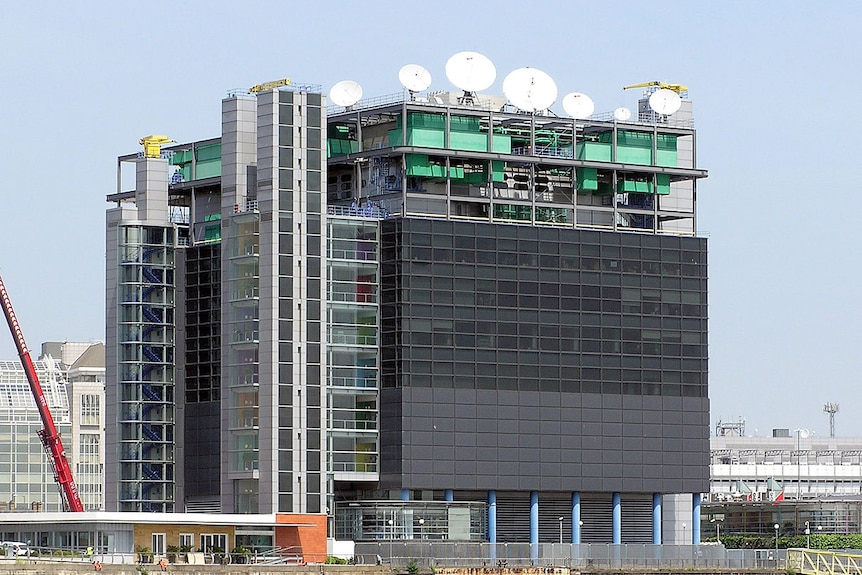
[[15, 549]]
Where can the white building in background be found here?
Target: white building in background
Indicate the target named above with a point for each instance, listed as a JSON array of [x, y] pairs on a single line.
[[72, 379], [789, 464], [86, 386]]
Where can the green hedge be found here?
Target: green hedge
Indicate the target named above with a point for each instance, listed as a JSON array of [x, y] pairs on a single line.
[[818, 541]]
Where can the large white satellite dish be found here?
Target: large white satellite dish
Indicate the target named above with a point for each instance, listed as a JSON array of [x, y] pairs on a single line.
[[529, 89], [414, 78], [578, 106], [665, 102], [471, 71], [345, 93], [622, 114]]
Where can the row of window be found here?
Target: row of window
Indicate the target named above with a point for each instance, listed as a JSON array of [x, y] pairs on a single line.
[[693, 388], [655, 330], [464, 232], [553, 303], [550, 261], [545, 316]]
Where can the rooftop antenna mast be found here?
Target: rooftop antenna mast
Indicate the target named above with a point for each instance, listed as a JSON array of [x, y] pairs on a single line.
[[831, 409]]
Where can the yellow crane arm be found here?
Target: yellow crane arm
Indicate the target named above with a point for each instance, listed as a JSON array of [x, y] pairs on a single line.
[[153, 145], [675, 87]]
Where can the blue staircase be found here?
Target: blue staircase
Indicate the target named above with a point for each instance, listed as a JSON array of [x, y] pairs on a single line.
[[150, 354], [150, 315], [150, 433], [148, 368], [151, 276], [149, 252], [150, 473], [150, 393], [148, 291]]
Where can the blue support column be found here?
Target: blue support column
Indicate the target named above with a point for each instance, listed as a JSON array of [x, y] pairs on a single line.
[[405, 495], [534, 525], [656, 518], [576, 517], [449, 495], [695, 519], [617, 520], [492, 522]]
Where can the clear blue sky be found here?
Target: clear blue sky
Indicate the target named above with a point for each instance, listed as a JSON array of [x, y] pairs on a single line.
[[775, 86]]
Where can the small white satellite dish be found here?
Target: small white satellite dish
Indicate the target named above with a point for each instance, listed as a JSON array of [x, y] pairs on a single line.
[[578, 106], [622, 114], [414, 78], [345, 93], [529, 89], [803, 433], [665, 102], [471, 71]]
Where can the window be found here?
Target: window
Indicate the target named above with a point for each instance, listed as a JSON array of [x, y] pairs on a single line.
[[158, 543], [187, 541], [213, 542], [90, 405], [88, 450]]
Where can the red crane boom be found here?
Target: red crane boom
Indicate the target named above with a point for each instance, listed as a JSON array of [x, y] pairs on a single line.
[[48, 434]]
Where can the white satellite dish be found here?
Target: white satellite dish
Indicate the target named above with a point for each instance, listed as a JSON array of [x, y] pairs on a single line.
[[345, 93], [471, 71], [803, 433], [665, 102], [622, 114], [414, 78], [578, 106], [529, 89]]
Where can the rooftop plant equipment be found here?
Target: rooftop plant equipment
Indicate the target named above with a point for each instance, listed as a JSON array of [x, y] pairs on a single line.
[[48, 434]]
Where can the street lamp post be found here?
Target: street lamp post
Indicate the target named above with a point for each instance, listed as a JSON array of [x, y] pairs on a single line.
[[561, 530], [391, 537], [422, 538], [683, 533], [776, 526], [717, 522], [807, 535]]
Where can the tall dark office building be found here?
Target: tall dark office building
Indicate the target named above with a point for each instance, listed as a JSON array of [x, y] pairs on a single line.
[[430, 317]]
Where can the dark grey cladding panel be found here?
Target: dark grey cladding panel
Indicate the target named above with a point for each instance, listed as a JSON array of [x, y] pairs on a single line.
[[586, 387]]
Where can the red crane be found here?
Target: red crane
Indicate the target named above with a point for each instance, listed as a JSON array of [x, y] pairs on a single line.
[[49, 435]]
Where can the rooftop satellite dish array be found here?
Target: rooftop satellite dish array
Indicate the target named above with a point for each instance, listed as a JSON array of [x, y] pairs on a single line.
[[527, 89]]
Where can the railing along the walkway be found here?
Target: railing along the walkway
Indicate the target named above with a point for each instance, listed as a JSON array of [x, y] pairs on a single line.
[[583, 556], [818, 562]]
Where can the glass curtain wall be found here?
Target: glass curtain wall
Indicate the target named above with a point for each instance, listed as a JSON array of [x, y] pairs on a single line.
[[146, 368]]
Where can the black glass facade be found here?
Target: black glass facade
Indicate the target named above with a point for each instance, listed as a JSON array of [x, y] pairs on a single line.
[[521, 357], [202, 381]]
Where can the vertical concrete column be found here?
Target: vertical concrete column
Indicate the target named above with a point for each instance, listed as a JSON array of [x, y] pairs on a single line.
[[695, 519], [576, 517], [656, 518], [449, 495], [617, 519]]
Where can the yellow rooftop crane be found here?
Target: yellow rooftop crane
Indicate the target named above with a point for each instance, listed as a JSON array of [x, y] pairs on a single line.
[[678, 88], [153, 145]]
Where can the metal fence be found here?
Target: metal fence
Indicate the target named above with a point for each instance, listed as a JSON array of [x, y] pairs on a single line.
[[593, 555]]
